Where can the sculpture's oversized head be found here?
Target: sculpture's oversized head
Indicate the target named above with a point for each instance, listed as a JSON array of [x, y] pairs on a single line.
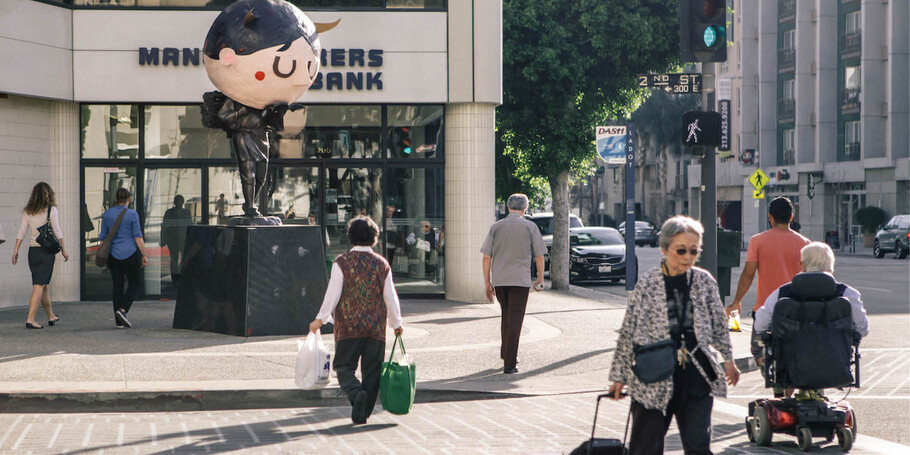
[[260, 52]]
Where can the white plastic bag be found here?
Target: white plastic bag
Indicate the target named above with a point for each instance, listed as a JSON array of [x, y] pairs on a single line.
[[313, 363]]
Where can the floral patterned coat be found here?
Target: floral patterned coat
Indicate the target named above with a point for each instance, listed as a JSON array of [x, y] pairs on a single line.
[[646, 322]]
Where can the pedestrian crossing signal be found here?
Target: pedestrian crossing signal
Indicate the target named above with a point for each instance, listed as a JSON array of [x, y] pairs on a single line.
[[703, 30], [701, 129]]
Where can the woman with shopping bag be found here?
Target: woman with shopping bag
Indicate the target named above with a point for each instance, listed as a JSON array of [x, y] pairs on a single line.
[[360, 300]]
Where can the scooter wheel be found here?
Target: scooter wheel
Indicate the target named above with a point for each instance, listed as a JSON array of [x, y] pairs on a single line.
[[844, 439], [804, 439], [761, 426], [749, 429]]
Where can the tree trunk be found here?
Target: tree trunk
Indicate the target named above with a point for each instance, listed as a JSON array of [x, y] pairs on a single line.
[[559, 252]]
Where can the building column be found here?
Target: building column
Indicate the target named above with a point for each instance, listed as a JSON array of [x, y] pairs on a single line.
[[64, 179], [470, 175]]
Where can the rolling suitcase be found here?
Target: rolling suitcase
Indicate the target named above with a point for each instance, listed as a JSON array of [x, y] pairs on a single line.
[[603, 446]]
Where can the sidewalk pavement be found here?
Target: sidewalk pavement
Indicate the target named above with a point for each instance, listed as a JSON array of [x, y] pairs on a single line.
[[86, 363]]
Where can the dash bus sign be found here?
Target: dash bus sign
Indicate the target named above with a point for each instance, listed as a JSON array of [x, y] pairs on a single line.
[[611, 144]]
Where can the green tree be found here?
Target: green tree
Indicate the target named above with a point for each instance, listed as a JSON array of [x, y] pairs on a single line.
[[569, 65]]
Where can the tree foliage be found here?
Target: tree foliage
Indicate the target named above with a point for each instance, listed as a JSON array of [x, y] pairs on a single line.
[[569, 65]]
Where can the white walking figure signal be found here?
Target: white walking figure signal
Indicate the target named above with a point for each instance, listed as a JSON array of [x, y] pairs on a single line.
[[693, 127]]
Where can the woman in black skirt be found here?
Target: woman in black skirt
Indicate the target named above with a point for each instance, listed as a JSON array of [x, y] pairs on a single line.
[[40, 261]]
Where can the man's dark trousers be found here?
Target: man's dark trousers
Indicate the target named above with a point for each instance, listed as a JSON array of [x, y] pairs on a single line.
[[513, 300], [369, 352]]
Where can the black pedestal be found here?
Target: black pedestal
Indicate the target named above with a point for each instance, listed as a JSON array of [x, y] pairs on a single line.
[[251, 280]]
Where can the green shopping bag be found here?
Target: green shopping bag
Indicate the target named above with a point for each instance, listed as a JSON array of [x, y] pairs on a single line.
[[397, 382]]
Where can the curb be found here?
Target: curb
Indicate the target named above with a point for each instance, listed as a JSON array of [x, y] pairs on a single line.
[[206, 400]]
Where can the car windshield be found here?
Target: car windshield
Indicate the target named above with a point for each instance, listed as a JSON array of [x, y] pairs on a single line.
[[642, 225], [595, 238]]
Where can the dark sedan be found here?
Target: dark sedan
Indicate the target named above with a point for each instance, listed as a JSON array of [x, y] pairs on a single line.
[[596, 254]]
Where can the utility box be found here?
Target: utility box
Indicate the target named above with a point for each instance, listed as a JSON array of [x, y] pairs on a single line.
[[729, 245]]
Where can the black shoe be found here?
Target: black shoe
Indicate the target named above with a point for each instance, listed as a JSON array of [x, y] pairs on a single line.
[[508, 370], [358, 410], [120, 318], [53, 322], [29, 325]]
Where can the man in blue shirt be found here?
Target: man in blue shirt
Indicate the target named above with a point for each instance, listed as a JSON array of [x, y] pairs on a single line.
[[128, 255]]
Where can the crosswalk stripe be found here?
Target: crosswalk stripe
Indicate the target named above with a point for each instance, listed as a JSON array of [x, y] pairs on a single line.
[[22, 436], [50, 444], [10, 430], [88, 434]]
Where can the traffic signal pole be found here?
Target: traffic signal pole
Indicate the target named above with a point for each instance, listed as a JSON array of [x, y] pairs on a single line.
[[709, 181]]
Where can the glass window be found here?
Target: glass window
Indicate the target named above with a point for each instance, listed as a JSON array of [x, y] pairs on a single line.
[[852, 76], [851, 132], [177, 132], [332, 132], [110, 131], [789, 91], [101, 185], [219, 4], [296, 195], [789, 40], [852, 23], [172, 201], [225, 195], [788, 147], [350, 192], [415, 131], [414, 237]]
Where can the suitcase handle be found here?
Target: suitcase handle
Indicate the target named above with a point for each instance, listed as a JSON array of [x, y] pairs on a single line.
[[594, 427]]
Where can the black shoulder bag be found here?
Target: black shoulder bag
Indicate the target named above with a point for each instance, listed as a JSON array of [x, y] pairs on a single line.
[[46, 237], [656, 361]]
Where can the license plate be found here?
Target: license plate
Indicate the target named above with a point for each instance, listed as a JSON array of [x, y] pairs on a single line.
[[604, 269]]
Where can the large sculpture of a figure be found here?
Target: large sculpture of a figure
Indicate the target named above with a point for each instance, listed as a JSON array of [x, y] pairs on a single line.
[[262, 55]]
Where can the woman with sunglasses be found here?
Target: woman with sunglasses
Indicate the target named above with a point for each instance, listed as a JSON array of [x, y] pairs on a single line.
[[680, 302]]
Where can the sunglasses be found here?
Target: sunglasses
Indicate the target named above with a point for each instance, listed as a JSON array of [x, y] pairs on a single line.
[[693, 251]]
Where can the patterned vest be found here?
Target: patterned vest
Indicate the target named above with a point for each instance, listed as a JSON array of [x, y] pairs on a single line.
[[361, 310]]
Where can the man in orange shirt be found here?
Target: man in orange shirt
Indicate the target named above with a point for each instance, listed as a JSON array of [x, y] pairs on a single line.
[[774, 254]]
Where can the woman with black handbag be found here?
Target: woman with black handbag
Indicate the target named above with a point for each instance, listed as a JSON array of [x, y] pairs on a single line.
[[40, 217], [673, 318]]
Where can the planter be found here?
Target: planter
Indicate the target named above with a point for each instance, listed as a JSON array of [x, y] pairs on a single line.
[[868, 240]]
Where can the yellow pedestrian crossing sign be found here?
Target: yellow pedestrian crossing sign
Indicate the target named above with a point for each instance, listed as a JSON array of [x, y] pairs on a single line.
[[758, 194], [758, 179]]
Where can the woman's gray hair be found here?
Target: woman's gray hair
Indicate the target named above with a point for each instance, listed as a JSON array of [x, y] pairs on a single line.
[[817, 257], [517, 201], [677, 225]]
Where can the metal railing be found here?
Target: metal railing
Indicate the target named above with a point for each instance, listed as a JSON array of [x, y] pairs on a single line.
[[851, 42], [786, 108], [786, 57], [786, 8], [851, 98], [852, 150]]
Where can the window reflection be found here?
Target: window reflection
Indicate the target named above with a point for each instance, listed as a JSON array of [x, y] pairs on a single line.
[[177, 132], [219, 4], [414, 131], [101, 185], [173, 201], [225, 197], [110, 131], [414, 235], [331, 132], [296, 195], [350, 192]]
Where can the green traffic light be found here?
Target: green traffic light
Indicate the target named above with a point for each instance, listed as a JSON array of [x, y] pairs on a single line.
[[712, 34]]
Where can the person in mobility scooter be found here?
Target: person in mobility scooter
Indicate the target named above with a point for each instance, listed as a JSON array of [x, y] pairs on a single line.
[[815, 328]]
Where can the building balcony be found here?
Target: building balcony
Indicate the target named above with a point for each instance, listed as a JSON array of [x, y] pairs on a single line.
[[786, 58], [851, 42], [851, 99], [786, 108], [786, 9], [851, 151]]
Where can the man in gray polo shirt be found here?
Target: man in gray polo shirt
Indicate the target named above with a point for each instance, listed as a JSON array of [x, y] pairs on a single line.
[[507, 252]]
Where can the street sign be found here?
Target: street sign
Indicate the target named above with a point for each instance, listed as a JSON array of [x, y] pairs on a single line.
[[758, 194], [724, 125], [672, 83], [758, 179], [611, 144]]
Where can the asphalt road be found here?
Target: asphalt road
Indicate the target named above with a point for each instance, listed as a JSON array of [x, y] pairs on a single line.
[[883, 401]]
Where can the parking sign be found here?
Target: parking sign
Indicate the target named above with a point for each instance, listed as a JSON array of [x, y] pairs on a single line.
[[611, 144]]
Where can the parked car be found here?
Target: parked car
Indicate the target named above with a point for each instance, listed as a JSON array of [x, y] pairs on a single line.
[[596, 254], [645, 233], [893, 237], [544, 222]]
